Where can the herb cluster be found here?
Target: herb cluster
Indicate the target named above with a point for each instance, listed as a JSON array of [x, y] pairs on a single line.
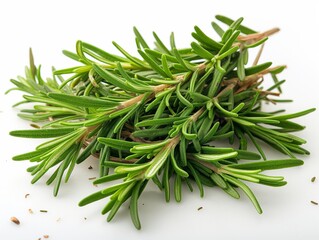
[[156, 118]]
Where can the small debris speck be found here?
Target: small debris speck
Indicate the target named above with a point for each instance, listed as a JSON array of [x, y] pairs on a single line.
[[92, 178], [44, 211], [200, 208], [15, 220], [85, 218], [313, 179], [58, 220], [313, 202], [90, 167], [34, 125], [30, 211], [27, 195], [46, 236]]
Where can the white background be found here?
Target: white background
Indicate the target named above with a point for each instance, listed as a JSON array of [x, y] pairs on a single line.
[[50, 26]]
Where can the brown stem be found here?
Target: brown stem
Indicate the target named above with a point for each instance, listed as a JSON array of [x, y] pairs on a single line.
[[229, 87], [130, 102], [249, 80], [268, 70], [156, 89], [204, 163], [268, 93], [270, 100], [196, 115], [258, 55], [175, 140], [258, 36], [120, 160], [113, 159], [127, 134], [139, 98]]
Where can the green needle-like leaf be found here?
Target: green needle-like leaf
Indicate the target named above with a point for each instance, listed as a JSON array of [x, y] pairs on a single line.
[[82, 101], [293, 115], [201, 51], [117, 144], [246, 190], [178, 170], [178, 188], [157, 162], [219, 180], [140, 38], [256, 69], [160, 44], [133, 60], [202, 37], [229, 22], [197, 180], [214, 157], [42, 133], [241, 65], [92, 198], [134, 205], [269, 164], [153, 64]]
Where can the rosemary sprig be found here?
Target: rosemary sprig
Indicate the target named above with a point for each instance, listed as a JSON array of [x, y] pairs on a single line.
[[156, 117]]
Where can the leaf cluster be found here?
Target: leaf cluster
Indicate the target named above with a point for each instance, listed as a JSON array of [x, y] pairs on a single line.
[[157, 117]]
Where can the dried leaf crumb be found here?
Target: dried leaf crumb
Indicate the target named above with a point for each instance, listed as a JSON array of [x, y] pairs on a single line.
[[30, 211], [27, 195], [46, 236], [59, 219], [90, 167], [34, 125], [313, 179], [15, 220], [92, 178], [200, 208], [313, 202], [43, 211]]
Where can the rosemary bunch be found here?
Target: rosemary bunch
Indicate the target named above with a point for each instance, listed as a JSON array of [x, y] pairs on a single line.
[[157, 117]]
